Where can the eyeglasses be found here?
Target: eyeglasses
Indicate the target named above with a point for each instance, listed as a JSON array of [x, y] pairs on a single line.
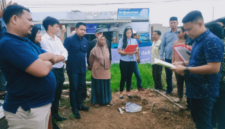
[[178, 32]]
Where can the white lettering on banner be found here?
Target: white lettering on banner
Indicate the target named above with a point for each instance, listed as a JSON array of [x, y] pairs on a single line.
[[148, 52]]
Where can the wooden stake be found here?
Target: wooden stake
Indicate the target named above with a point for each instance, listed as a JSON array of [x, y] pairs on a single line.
[[169, 99]]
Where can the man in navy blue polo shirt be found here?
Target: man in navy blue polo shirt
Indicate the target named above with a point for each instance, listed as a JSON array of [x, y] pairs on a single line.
[[3, 28], [27, 68], [77, 46], [203, 69]]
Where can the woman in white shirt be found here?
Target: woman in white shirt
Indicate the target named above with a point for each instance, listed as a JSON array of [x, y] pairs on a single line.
[[127, 60]]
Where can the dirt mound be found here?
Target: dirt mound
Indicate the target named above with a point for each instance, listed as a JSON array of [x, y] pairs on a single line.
[[165, 115]]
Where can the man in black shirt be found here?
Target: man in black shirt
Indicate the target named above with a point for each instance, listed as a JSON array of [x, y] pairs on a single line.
[[92, 44]]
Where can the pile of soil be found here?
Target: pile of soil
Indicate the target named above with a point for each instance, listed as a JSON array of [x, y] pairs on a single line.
[[165, 115]]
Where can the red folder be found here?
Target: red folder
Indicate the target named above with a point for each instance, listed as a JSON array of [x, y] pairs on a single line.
[[131, 48]]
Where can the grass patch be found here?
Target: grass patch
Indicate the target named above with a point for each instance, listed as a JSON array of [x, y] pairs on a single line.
[[146, 76]]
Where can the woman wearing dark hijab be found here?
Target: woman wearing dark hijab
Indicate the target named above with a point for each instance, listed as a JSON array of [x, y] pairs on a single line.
[[35, 35]]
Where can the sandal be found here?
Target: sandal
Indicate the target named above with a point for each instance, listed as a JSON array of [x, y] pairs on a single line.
[[176, 100], [97, 105], [121, 97], [110, 103], [129, 96]]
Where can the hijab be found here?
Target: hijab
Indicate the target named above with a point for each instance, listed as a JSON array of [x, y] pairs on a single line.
[[102, 53], [33, 34]]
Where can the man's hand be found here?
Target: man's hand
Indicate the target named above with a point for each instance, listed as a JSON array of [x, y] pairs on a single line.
[[178, 63], [179, 69], [138, 61], [63, 30], [53, 60], [11, 3]]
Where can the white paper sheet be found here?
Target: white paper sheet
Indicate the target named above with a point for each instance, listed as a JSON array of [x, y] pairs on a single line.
[[163, 63]]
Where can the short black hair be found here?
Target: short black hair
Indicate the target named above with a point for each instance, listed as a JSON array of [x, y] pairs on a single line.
[[13, 10], [222, 20], [49, 21], [192, 16], [216, 29], [80, 24], [158, 32]]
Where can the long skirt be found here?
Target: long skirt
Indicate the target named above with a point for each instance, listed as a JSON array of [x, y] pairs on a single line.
[[101, 91]]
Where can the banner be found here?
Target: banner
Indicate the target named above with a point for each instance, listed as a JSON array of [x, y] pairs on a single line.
[[133, 13], [144, 51]]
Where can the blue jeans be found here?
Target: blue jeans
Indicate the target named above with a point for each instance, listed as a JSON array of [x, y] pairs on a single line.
[[201, 112], [2, 82], [77, 83], [138, 75], [169, 74], [218, 115]]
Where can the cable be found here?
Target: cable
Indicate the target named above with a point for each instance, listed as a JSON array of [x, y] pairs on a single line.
[[45, 5]]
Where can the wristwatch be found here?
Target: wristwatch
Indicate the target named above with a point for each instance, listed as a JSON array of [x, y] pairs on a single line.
[[186, 71]]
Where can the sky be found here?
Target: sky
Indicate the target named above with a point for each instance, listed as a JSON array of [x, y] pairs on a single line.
[[160, 10]]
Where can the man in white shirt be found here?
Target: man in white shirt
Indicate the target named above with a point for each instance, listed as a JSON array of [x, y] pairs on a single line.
[[51, 43], [155, 53]]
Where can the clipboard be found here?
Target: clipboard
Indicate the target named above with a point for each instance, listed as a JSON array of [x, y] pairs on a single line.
[[181, 50], [131, 48]]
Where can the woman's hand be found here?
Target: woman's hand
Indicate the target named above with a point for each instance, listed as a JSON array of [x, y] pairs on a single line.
[[89, 68], [131, 53]]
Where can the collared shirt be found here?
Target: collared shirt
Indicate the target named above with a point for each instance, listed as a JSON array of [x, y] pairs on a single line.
[[168, 40], [127, 58], [207, 48], [3, 28], [54, 46], [77, 50], [23, 89], [92, 44], [155, 51], [222, 77]]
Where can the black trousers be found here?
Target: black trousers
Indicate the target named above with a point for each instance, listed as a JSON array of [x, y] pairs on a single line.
[[59, 75], [157, 72], [126, 70], [180, 85]]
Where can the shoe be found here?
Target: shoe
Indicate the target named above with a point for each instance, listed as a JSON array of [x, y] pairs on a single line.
[[76, 114], [83, 108], [54, 125], [141, 89], [130, 96], [59, 118]]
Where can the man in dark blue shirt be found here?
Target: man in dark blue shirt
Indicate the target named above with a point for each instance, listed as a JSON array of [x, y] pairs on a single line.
[[77, 46], [2, 77], [27, 68], [203, 70]]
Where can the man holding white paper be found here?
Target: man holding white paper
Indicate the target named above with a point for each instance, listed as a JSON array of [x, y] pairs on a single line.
[[168, 40], [202, 72]]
